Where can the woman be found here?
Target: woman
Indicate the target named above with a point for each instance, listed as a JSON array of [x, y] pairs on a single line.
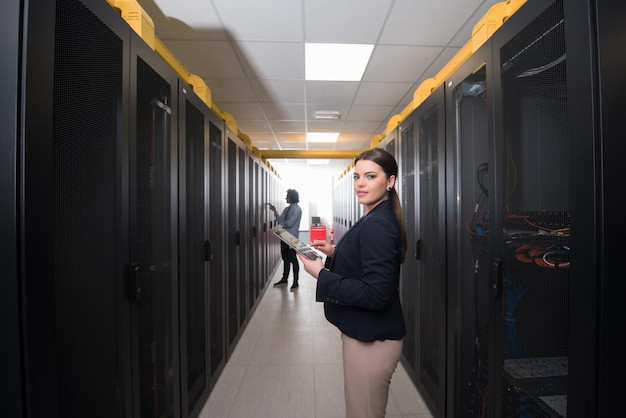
[[358, 283]]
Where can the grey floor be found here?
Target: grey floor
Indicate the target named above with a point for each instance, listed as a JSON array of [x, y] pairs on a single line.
[[288, 364]]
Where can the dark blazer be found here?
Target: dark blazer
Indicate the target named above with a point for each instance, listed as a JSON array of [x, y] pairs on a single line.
[[360, 287]]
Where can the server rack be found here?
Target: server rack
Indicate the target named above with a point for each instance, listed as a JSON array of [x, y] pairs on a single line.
[[468, 117], [528, 371], [201, 283], [423, 280], [408, 281], [72, 245], [595, 65], [264, 225], [237, 276], [216, 243], [338, 210], [390, 142], [232, 249], [253, 228], [275, 194], [153, 225], [193, 271], [10, 307], [346, 205], [244, 235]]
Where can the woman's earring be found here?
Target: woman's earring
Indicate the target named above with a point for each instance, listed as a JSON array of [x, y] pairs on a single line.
[[388, 189]]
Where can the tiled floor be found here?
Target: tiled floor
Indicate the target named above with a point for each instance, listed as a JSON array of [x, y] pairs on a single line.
[[287, 364]]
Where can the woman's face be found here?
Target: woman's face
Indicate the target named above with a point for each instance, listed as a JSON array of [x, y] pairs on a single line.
[[371, 183]]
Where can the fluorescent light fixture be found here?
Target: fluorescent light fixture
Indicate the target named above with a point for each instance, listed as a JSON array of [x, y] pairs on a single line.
[[336, 62], [327, 114], [322, 136]]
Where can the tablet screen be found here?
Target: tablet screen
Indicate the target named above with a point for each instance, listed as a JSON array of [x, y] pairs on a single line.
[[295, 243]]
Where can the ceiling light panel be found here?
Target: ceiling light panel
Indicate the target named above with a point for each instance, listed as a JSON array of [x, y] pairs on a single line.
[[325, 137], [336, 62]]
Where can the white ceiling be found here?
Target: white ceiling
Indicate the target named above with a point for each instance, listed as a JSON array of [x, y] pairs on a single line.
[[250, 53]]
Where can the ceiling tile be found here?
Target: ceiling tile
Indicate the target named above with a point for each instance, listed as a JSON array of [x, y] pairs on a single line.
[[246, 111], [288, 127], [361, 126], [389, 94], [374, 113], [345, 21], [198, 57], [283, 111], [324, 125], [254, 127], [409, 63], [275, 20], [273, 60], [191, 19], [330, 92], [279, 91]]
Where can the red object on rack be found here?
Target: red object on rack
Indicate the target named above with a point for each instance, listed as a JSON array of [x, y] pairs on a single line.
[[318, 232]]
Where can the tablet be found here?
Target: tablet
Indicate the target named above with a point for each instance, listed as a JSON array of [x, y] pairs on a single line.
[[304, 249]]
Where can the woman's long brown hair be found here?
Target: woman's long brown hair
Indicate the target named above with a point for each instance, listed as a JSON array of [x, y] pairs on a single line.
[[389, 165]]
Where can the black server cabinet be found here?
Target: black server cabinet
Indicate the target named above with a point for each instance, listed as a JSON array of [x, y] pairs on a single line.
[[408, 279], [349, 202], [264, 213], [71, 244], [237, 208], [201, 307], [338, 208], [252, 244], [269, 218], [233, 245], [153, 270], [262, 225], [12, 387], [595, 87], [277, 196], [254, 239], [530, 209], [468, 117], [194, 254], [242, 235], [346, 207], [423, 278], [268, 225], [217, 244], [273, 243], [390, 143]]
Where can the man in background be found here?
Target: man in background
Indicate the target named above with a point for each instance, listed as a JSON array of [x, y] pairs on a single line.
[[289, 219]]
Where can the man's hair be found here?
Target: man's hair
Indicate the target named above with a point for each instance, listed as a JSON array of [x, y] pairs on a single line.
[[293, 196]]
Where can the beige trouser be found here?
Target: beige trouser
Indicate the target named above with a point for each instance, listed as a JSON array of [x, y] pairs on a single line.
[[367, 370]]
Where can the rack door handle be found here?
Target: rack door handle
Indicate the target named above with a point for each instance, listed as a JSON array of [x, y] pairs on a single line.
[[418, 249], [496, 277], [134, 281], [208, 251]]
